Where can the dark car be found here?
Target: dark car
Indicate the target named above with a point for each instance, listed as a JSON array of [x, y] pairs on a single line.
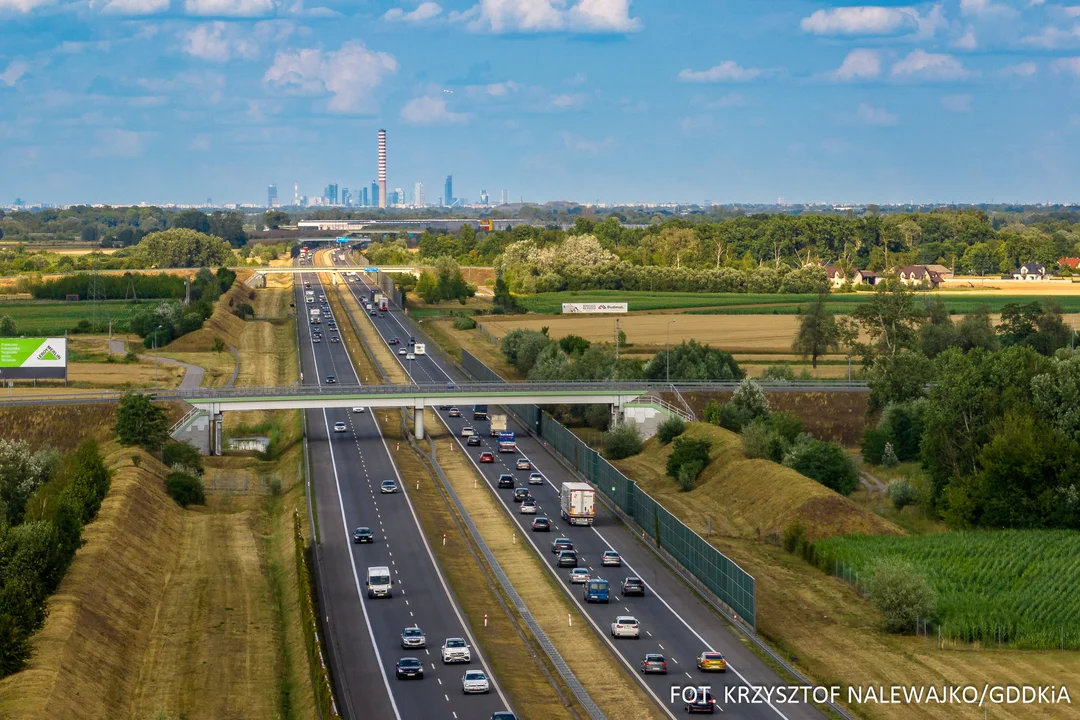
[[503, 716], [567, 558], [474, 440], [541, 524], [363, 535], [506, 480], [560, 544], [330, 379], [633, 586], [521, 494], [394, 341], [410, 667], [654, 663], [486, 457], [702, 703], [455, 412]]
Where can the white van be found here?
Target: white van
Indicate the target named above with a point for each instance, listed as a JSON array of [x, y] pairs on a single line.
[[378, 582]]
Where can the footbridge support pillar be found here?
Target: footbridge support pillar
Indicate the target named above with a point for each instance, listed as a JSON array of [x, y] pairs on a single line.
[[418, 415]]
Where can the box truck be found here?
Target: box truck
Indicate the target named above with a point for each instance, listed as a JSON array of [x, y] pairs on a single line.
[[595, 590], [498, 424], [479, 412], [316, 316], [507, 442], [419, 349], [577, 503]]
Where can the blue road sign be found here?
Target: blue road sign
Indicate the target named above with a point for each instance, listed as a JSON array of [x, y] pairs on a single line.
[[371, 269]]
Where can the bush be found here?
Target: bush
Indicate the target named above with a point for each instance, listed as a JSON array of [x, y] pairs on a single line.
[[873, 445], [888, 458], [185, 488], [770, 439], [182, 453], [622, 442], [688, 473], [670, 429], [903, 425], [825, 462], [598, 417], [140, 422], [464, 322], [786, 425], [747, 404], [900, 594], [794, 538], [688, 458], [778, 373], [729, 418], [713, 412], [903, 493]]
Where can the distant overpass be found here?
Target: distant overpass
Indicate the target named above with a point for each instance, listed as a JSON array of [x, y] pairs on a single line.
[[442, 223], [339, 269]]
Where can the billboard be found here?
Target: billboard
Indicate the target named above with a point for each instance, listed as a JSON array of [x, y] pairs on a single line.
[[595, 307], [33, 358]]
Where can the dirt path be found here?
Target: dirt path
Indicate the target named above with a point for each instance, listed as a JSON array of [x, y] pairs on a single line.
[[873, 483]]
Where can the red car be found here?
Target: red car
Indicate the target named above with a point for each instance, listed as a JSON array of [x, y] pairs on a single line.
[[487, 457]]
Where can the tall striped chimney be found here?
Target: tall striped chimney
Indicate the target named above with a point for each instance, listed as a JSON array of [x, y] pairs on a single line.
[[382, 168]]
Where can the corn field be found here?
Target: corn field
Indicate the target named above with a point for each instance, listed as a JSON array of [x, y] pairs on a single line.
[[1013, 588]]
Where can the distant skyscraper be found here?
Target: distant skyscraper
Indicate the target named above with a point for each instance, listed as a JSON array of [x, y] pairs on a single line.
[[296, 193], [364, 198], [382, 168], [448, 191], [399, 197], [505, 197], [375, 195], [346, 197], [418, 195], [331, 194], [271, 196], [483, 197]]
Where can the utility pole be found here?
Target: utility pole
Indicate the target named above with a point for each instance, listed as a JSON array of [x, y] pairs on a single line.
[[616, 340]]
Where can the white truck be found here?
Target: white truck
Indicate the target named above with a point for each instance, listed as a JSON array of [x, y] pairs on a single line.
[[577, 503], [498, 424], [310, 295], [316, 316], [418, 349]]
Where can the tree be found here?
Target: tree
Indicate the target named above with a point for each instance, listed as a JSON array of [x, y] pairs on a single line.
[[274, 219], [622, 442], [182, 453], [688, 458], [140, 422], [1038, 325], [504, 302], [978, 259], [898, 378], [670, 429], [229, 227], [891, 317], [182, 248], [21, 473], [193, 220], [8, 327], [825, 462], [818, 333], [218, 345], [901, 594], [748, 403], [572, 344], [693, 361]]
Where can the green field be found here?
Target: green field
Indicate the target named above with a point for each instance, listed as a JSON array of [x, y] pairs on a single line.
[[1021, 583], [773, 304], [54, 318]]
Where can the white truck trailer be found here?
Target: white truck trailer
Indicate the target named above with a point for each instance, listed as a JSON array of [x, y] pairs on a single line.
[[577, 503], [498, 424], [316, 316]]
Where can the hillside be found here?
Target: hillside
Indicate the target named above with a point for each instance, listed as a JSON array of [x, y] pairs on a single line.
[[749, 499], [222, 323]]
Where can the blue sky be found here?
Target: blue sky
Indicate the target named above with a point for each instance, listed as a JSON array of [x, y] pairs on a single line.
[[132, 101]]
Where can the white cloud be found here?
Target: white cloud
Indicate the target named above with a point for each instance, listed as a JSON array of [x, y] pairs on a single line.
[[967, 41], [984, 8], [957, 103], [229, 8], [426, 11], [566, 102], [1054, 37], [351, 75], [1068, 65], [690, 125], [864, 20], [136, 7], [1024, 69], [860, 64], [1071, 11], [921, 65], [578, 144], [200, 143], [430, 110], [730, 100], [15, 70], [501, 89], [871, 115], [727, 71], [219, 41], [527, 16], [207, 42], [113, 142], [23, 6]]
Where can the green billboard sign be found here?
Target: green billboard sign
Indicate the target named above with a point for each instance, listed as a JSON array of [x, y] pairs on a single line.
[[33, 358]]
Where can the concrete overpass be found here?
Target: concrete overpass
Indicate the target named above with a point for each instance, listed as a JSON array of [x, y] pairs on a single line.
[[442, 223], [338, 269]]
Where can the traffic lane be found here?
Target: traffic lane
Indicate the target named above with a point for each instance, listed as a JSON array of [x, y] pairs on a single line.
[[417, 597]]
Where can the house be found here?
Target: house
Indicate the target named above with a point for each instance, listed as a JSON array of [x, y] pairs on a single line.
[[1031, 271], [1073, 263], [919, 275], [944, 272], [868, 277], [836, 276]]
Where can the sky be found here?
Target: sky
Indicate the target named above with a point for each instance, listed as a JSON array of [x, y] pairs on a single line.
[[722, 101]]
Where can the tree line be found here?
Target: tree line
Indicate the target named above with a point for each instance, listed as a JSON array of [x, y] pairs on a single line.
[[161, 324], [112, 227]]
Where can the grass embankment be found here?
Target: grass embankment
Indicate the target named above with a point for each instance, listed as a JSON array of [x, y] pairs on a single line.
[[452, 340], [830, 632], [56, 317]]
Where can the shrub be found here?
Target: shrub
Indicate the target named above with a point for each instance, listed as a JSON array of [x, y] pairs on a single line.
[[755, 440], [778, 373], [903, 493], [688, 456], [182, 453], [464, 322], [670, 429], [140, 422], [598, 417], [903, 425], [713, 412], [729, 417], [873, 445], [786, 425], [747, 404], [888, 458], [900, 594], [688, 473], [622, 442], [185, 488], [794, 538], [825, 462]]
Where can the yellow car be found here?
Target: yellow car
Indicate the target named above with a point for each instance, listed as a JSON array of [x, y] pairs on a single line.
[[711, 662]]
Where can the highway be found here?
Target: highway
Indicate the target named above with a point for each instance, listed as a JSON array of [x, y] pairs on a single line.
[[347, 470], [674, 621]]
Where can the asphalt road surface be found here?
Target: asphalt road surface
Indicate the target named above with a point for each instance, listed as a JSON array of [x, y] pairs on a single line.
[[365, 643], [674, 621]]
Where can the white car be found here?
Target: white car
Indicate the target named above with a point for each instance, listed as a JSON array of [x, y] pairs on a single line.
[[456, 650], [579, 576], [611, 559], [625, 626], [536, 479], [467, 431], [339, 427], [388, 486], [402, 351], [475, 681], [528, 507], [410, 356], [359, 410]]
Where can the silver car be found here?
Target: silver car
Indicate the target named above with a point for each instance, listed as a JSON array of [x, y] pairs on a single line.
[[388, 486], [475, 681], [456, 650], [413, 637]]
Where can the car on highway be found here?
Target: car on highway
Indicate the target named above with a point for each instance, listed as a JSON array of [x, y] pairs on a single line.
[[522, 494], [373, 313], [331, 380], [474, 441], [654, 663], [317, 339], [506, 480], [541, 524], [382, 315], [487, 457], [339, 427], [410, 356], [560, 544], [523, 464], [456, 650], [711, 662], [363, 535], [388, 486], [702, 702], [334, 339], [536, 479], [528, 507], [467, 431], [394, 341], [611, 559], [633, 586], [567, 558], [410, 667], [504, 716], [625, 626], [454, 412], [579, 576], [359, 410], [413, 637], [475, 681], [402, 351]]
